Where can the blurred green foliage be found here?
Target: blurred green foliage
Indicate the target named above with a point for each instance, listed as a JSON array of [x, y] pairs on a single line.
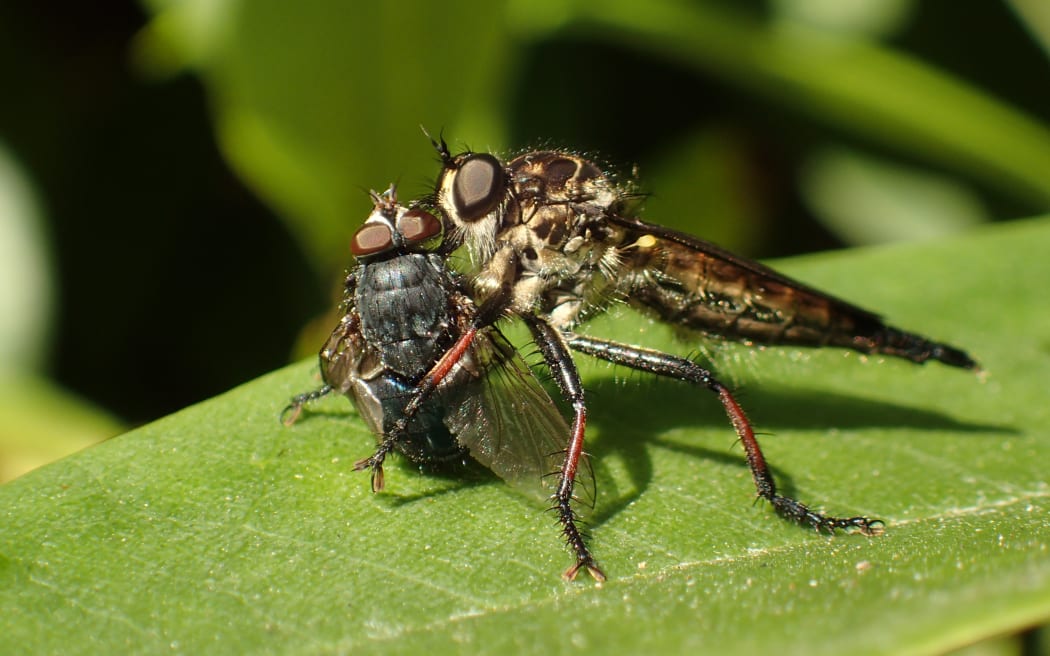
[[769, 127], [314, 104]]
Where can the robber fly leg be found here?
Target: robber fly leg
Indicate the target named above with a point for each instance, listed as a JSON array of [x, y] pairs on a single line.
[[559, 360], [662, 364], [291, 411]]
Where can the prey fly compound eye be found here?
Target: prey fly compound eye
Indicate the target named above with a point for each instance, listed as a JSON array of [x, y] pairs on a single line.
[[477, 187], [418, 225], [370, 239]]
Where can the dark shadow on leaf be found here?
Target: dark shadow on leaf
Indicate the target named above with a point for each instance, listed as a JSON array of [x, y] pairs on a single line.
[[630, 445], [442, 478], [633, 414], [655, 406]]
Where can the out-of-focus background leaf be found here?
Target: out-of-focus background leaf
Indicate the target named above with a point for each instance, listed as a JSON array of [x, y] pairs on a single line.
[[198, 165], [179, 179]]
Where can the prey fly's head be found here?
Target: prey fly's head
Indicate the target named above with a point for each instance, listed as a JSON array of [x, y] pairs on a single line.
[[392, 229]]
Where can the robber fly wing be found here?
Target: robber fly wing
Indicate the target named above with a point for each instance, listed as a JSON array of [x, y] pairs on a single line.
[[510, 424], [708, 288], [699, 285]]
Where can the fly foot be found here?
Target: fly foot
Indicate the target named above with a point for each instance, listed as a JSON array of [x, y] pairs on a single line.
[[799, 512]]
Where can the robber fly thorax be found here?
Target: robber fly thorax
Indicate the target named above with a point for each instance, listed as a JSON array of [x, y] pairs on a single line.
[[536, 227]]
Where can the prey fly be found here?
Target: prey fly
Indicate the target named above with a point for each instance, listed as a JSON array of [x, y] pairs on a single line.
[[425, 366]]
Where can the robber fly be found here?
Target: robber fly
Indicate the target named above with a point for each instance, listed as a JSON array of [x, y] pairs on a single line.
[[425, 367], [552, 242]]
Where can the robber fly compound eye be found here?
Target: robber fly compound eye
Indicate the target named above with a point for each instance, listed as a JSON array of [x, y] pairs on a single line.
[[478, 186]]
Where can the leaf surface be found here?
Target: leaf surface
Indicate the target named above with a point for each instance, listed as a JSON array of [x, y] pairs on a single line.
[[217, 529]]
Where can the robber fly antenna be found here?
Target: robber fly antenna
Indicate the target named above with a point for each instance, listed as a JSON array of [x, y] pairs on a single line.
[[439, 145]]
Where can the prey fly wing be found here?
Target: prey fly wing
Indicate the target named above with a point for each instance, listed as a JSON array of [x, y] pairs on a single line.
[[508, 422]]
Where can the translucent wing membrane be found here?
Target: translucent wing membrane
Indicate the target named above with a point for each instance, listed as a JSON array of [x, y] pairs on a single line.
[[693, 283], [511, 425]]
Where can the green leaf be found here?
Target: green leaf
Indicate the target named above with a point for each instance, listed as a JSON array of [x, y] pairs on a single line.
[[218, 530]]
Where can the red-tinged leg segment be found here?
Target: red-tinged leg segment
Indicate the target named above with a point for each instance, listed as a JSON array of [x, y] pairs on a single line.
[[662, 364], [426, 387], [559, 360]]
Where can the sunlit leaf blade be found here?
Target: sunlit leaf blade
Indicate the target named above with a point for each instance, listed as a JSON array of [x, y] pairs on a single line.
[[218, 530]]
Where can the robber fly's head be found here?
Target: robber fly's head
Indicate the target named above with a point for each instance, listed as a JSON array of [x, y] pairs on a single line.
[[556, 193], [392, 229], [472, 193]]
